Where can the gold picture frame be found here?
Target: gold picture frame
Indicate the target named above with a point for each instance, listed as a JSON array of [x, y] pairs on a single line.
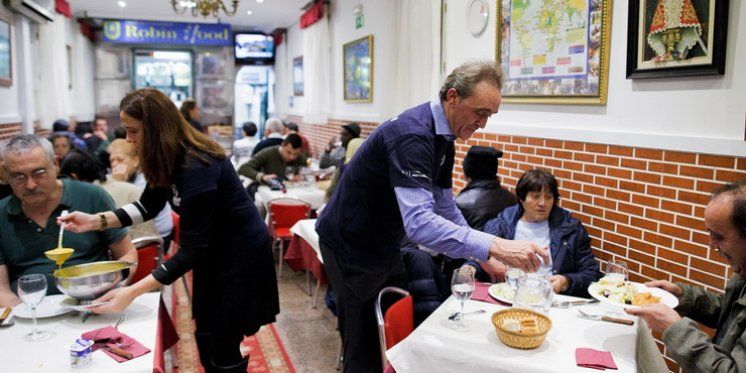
[[562, 58], [357, 68]]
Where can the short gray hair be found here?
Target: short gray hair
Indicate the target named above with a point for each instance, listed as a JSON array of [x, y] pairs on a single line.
[[274, 125], [22, 144], [465, 77]]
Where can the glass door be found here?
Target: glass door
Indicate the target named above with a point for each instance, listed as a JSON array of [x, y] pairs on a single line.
[[168, 71]]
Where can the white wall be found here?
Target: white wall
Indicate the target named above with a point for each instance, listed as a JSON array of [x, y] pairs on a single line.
[[703, 114]]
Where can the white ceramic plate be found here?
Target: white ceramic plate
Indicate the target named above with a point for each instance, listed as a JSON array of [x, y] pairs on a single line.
[[49, 307], [666, 298], [74, 304], [502, 292]]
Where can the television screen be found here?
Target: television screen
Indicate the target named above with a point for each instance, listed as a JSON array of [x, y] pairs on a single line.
[[253, 48]]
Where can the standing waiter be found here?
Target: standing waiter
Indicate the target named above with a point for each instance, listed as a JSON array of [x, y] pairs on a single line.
[[398, 183]]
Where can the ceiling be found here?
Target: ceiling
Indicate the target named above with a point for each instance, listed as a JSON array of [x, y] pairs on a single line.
[[266, 16]]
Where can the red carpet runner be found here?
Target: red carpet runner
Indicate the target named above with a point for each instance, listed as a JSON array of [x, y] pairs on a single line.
[[267, 353]]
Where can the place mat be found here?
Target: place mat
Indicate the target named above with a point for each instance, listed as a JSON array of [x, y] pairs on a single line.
[[594, 359], [106, 337], [481, 294]]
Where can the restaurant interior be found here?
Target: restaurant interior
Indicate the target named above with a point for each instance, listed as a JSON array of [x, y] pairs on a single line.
[[436, 185]]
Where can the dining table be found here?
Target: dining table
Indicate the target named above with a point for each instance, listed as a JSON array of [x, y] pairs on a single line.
[[437, 346], [309, 193], [17, 354], [304, 253]]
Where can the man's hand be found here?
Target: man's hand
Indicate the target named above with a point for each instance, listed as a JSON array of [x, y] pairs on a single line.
[[266, 178], [520, 254], [667, 286], [331, 145], [560, 283], [495, 269], [659, 317]]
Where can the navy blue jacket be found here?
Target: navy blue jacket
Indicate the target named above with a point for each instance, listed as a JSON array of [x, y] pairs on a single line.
[[570, 246]]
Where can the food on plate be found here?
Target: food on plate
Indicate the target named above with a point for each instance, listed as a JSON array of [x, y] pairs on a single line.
[[616, 290], [644, 298]]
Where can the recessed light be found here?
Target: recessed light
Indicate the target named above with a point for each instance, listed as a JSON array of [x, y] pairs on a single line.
[[249, 12], [259, 1], [122, 4]]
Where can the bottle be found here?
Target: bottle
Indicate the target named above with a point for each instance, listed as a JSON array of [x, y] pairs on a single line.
[[276, 184]]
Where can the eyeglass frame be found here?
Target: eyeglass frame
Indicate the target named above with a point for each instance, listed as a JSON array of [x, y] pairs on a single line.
[[18, 178]]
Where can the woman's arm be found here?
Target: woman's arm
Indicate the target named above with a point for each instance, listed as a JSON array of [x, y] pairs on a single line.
[[150, 204]]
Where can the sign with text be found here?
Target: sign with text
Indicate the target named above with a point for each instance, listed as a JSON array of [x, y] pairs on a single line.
[[171, 33]]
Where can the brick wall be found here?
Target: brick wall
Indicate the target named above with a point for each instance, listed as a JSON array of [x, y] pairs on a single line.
[[644, 206], [9, 130]]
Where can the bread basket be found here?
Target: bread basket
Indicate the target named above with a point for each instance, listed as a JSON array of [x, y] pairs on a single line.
[[516, 339]]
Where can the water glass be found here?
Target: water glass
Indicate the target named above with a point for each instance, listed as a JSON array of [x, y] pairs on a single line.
[[289, 173], [462, 286], [533, 292], [512, 275], [617, 269], [32, 289]]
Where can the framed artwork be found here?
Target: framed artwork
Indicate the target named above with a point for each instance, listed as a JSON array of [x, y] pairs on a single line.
[[358, 70], [215, 97], [6, 71], [298, 76], [554, 51], [213, 64], [676, 38]]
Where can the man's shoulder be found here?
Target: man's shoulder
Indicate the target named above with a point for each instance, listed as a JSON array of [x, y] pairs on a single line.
[[416, 121]]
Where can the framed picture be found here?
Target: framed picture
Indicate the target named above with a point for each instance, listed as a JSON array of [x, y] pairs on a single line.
[[213, 64], [554, 51], [298, 76], [6, 71], [215, 97], [358, 70], [676, 38]]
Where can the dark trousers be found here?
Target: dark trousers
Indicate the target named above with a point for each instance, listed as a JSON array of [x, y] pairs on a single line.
[[357, 289]]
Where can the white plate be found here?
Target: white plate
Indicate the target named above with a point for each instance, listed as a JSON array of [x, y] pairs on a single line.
[[667, 298], [49, 307], [74, 304], [502, 292]]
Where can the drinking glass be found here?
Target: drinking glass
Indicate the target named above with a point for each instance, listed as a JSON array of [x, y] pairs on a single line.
[[289, 173], [462, 286], [32, 289], [512, 275], [533, 292], [617, 270]]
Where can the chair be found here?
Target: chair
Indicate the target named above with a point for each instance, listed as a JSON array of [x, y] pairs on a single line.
[[176, 234], [283, 213], [149, 255], [397, 322]]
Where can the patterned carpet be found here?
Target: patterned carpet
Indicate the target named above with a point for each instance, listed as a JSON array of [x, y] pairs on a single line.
[[267, 354]]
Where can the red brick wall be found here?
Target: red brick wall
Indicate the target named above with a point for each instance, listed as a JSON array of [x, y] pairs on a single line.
[[644, 206], [9, 130]]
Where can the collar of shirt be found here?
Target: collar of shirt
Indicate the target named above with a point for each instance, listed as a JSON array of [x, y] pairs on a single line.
[[274, 135], [441, 123], [14, 204]]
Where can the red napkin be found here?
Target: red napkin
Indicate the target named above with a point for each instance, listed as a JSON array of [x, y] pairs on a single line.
[[590, 358], [481, 294], [108, 335]]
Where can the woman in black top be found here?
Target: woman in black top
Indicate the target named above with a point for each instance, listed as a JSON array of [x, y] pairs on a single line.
[[192, 114], [223, 238]]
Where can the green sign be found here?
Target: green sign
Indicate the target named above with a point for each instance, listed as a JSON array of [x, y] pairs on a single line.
[[359, 21]]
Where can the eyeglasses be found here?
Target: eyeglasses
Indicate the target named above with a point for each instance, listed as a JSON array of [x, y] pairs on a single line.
[[21, 179]]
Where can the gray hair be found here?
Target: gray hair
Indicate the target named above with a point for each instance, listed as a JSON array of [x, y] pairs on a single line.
[[274, 125], [465, 77], [22, 144]]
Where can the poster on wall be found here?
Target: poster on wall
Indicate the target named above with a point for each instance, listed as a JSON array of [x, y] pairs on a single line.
[[676, 38], [298, 76], [358, 70], [554, 51], [215, 97], [6, 77], [213, 63]]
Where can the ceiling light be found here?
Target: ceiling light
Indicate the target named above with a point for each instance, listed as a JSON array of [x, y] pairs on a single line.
[[205, 7], [259, 1], [249, 12], [122, 4]]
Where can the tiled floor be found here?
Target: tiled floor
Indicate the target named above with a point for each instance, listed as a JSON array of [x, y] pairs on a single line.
[[309, 335]]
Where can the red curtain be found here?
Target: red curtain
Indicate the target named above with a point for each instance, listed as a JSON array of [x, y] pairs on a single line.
[[63, 7], [312, 15]]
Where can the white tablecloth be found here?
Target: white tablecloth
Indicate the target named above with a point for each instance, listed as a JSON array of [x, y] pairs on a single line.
[[434, 347], [53, 355], [311, 194], [306, 229]]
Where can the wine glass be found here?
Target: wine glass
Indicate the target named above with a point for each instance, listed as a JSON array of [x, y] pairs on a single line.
[[289, 173], [533, 292], [462, 286], [616, 270], [32, 289]]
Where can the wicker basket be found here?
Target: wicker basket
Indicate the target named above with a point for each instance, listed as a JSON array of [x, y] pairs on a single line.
[[520, 340]]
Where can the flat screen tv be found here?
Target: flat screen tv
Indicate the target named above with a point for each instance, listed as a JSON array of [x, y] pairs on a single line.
[[253, 48]]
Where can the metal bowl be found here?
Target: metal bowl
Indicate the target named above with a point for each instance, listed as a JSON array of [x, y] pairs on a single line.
[[91, 280]]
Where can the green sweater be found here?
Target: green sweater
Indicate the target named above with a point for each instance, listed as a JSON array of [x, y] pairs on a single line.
[[269, 161]]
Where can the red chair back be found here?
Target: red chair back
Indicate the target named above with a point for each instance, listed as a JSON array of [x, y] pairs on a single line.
[[399, 321], [284, 213], [148, 256], [175, 231]]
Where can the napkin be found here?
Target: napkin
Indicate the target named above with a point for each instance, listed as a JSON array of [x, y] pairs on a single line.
[[590, 358], [108, 335], [481, 294]]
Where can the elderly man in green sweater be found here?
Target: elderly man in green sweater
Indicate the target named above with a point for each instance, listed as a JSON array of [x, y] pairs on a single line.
[[271, 162], [691, 348]]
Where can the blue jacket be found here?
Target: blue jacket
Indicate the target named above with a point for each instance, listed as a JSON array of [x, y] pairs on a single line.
[[570, 246]]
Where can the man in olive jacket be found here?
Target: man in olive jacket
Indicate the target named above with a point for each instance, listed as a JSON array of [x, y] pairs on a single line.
[[271, 162], [691, 348]]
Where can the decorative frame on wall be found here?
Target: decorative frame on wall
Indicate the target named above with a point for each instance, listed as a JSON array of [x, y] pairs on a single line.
[[298, 76], [550, 53], [6, 65], [358, 70], [676, 38]]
